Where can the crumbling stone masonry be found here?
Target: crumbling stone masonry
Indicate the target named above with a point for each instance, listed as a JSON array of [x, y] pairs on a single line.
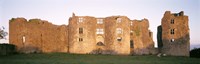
[[116, 35], [141, 37], [37, 35], [173, 34]]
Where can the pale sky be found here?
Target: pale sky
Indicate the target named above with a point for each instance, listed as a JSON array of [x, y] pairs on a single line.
[[59, 11]]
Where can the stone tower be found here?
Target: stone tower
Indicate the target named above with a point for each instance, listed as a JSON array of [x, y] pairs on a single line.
[[174, 34], [81, 34]]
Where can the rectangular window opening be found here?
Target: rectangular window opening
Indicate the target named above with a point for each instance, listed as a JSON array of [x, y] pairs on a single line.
[[99, 31], [80, 39], [172, 21], [80, 30], [172, 31], [119, 30], [131, 23], [80, 19], [131, 44], [99, 21]]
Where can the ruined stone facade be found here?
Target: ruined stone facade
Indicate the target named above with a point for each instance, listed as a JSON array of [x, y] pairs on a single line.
[[116, 35], [37, 35], [141, 37], [173, 34]]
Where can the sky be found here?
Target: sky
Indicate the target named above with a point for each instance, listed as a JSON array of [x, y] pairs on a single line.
[[59, 11]]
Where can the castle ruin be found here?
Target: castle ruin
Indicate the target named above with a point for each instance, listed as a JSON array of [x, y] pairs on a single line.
[[116, 35]]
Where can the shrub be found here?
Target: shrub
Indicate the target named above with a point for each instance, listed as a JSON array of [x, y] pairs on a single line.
[[195, 53], [34, 20], [11, 20], [6, 49]]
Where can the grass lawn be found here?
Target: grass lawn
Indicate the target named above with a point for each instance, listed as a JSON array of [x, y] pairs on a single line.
[[63, 58]]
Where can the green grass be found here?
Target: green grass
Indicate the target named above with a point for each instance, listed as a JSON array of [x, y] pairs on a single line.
[[62, 58]]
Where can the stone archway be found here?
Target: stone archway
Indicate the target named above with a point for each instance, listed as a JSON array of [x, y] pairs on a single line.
[[100, 44]]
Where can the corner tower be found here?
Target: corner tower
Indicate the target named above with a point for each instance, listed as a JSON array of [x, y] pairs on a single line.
[[175, 34]]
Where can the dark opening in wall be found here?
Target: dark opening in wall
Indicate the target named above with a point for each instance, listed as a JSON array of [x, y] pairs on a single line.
[[172, 31], [100, 44], [119, 39], [131, 44], [80, 30], [172, 21], [80, 39]]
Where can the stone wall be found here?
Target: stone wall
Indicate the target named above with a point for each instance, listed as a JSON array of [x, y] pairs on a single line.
[[117, 35], [37, 35], [175, 34], [142, 37], [82, 36], [113, 41], [91, 38], [113, 24]]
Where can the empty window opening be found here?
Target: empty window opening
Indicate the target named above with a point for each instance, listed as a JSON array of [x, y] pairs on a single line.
[[80, 39], [119, 30], [100, 31], [80, 30], [131, 44], [80, 19], [172, 31], [131, 23], [24, 39], [99, 21], [172, 21]]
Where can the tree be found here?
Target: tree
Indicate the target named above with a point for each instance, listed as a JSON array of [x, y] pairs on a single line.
[[195, 53], [3, 34]]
